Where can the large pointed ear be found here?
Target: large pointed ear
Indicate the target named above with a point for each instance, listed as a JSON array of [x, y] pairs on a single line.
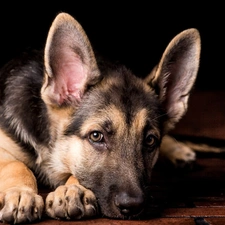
[[69, 61], [174, 76]]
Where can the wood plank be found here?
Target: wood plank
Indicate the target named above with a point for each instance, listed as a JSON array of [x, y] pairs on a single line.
[[194, 212], [155, 221]]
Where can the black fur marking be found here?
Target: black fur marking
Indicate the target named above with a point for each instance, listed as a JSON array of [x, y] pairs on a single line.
[[21, 105]]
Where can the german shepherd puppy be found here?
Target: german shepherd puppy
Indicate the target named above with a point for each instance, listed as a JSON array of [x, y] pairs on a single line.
[[90, 130]]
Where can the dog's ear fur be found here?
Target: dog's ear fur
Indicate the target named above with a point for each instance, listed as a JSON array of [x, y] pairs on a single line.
[[69, 61], [174, 76]]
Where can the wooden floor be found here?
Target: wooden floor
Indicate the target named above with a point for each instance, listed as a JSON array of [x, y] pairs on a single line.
[[194, 196]]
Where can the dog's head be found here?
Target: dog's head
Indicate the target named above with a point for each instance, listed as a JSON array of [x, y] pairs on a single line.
[[107, 124]]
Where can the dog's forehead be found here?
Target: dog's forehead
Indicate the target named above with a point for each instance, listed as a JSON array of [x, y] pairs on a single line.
[[112, 119], [120, 101], [128, 93]]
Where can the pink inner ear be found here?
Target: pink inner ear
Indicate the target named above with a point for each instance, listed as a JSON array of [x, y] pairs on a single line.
[[70, 80]]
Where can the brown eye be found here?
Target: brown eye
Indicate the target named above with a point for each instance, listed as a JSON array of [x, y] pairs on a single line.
[[150, 140], [96, 136]]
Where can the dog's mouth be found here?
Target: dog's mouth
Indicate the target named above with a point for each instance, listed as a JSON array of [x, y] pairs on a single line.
[[125, 215]]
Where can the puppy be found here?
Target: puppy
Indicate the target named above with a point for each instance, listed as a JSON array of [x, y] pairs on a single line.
[[88, 129]]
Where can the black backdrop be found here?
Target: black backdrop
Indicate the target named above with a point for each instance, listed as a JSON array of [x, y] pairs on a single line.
[[134, 32]]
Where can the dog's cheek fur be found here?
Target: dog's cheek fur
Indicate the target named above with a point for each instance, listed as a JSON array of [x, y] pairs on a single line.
[[65, 158]]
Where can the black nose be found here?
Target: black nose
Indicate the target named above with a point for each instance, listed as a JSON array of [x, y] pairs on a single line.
[[129, 205]]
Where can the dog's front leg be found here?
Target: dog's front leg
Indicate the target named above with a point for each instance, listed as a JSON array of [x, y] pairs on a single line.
[[71, 201], [19, 201]]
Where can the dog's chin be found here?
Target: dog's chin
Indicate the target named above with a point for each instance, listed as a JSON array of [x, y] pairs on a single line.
[[114, 213]]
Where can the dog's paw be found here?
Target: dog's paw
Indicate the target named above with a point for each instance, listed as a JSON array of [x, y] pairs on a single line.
[[20, 205], [71, 202], [182, 157], [178, 153]]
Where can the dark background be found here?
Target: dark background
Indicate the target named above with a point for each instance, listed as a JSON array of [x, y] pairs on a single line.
[[133, 32]]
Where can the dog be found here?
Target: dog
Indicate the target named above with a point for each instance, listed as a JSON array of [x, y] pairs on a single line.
[[89, 129]]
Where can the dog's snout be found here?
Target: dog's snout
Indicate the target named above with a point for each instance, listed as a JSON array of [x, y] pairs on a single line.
[[129, 205]]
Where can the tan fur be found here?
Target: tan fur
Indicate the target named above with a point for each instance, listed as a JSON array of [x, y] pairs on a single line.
[[185, 151], [10, 150], [108, 112], [72, 180], [138, 126], [68, 160], [60, 118], [21, 177], [176, 151]]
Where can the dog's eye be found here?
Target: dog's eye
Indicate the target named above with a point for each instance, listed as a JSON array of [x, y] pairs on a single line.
[[150, 140], [96, 136]]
